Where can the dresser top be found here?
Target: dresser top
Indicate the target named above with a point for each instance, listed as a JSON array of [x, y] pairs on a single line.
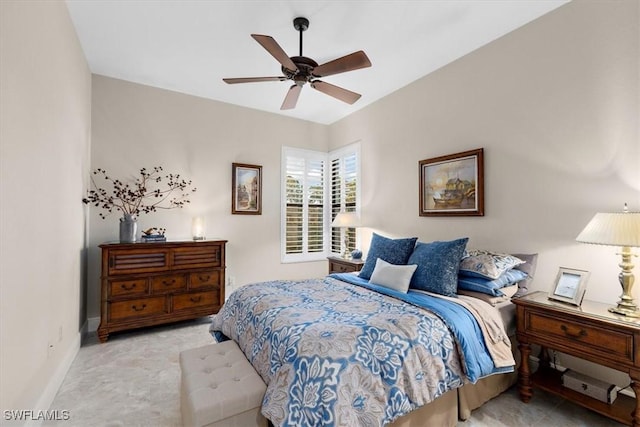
[[166, 242], [588, 308]]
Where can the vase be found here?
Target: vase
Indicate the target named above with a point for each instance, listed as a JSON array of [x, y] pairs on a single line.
[[128, 228]]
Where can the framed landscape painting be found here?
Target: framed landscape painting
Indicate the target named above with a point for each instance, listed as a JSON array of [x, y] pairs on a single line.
[[246, 198], [452, 185]]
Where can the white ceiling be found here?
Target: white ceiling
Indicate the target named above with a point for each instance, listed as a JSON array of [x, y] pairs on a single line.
[[189, 46]]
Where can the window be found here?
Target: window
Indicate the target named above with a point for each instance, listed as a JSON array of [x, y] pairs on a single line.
[[315, 187], [345, 191]]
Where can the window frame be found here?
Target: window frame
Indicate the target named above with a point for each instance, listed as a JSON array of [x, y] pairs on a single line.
[[326, 158]]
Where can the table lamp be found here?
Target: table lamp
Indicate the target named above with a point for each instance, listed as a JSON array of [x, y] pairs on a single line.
[[617, 229], [346, 220]]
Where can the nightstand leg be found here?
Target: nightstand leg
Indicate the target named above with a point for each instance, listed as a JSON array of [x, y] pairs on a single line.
[[635, 385], [524, 373]]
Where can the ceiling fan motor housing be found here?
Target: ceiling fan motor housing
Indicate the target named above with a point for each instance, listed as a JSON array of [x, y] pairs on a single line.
[[305, 67]]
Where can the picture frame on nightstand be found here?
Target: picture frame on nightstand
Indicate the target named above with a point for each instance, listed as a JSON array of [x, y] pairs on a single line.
[[570, 286]]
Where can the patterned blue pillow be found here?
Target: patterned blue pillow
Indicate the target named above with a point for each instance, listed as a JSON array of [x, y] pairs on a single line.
[[487, 264], [394, 251], [490, 287], [438, 264]]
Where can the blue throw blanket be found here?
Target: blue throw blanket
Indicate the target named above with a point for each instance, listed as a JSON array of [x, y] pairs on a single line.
[[335, 354], [477, 360]]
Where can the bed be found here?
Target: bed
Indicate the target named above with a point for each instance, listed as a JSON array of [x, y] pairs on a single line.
[[344, 350]]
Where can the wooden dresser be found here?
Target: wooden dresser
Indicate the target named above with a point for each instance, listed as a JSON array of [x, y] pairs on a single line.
[[145, 284], [589, 332]]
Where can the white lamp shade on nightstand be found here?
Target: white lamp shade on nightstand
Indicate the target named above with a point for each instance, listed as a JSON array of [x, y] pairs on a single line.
[[613, 229], [346, 219], [617, 229]]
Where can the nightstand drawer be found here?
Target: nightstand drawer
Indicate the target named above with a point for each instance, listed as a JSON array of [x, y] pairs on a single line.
[[583, 338], [342, 265], [341, 268]]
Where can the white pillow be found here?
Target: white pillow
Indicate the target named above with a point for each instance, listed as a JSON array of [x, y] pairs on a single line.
[[396, 277]]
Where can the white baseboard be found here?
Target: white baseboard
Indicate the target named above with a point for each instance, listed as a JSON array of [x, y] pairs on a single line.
[[51, 389], [92, 324]]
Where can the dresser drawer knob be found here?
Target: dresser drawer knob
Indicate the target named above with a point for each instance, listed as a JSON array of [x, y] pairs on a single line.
[[135, 307], [128, 287], [196, 299], [574, 334], [204, 278], [169, 282]]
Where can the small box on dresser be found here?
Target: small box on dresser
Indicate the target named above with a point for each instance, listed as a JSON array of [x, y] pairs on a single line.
[[146, 284]]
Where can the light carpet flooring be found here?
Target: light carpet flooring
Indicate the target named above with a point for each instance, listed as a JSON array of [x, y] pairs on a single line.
[[134, 380]]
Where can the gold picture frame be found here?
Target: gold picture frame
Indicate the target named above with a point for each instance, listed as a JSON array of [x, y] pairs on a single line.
[[570, 286], [246, 189], [453, 185]]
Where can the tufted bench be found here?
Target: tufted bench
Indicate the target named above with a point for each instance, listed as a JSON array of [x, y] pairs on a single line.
[[220, 388]]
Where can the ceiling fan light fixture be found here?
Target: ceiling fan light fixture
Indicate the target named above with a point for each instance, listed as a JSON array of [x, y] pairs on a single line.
[[301, 69]]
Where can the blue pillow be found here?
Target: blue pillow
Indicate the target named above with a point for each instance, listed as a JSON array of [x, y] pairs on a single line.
[[438, 264], [490, 287], [393, 251]]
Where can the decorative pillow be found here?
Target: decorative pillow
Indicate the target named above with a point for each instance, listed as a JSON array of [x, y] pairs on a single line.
[[394, 251], [490, 287], [489, 265], [528, 267], [396, 277], [437, 266], [509, 292]]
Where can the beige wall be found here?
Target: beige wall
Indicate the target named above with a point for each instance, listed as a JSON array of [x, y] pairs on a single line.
[[45, 127], [138, 126], [555, 105]]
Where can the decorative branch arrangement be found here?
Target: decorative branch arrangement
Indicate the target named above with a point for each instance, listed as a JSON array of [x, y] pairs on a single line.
[[148, 193]]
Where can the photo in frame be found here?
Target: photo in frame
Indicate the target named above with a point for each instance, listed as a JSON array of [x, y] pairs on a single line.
[[246, 197], [453, 185], [570, 286]]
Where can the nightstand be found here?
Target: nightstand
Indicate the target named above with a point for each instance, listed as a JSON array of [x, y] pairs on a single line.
[[588, 332], [343, 265]]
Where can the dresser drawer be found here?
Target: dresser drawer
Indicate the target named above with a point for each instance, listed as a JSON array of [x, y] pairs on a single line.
[[583, 338], [197, 257], [141, 307], [197, 299], [160, 284], [122, 288], [205, 279], [137, 261]]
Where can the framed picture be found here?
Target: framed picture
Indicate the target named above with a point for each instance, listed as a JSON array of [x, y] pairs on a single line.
[[246, 197], [452, 185], [570, 286]]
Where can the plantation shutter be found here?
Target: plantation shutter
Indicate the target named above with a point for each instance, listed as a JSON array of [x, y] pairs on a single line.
[[317, 186], [345, 177], [304, 205]]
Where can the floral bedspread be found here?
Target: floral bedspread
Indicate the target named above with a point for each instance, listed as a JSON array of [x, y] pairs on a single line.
[[336, 354]]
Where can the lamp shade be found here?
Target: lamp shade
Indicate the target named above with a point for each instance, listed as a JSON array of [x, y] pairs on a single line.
[[346, 219], [614, 229]]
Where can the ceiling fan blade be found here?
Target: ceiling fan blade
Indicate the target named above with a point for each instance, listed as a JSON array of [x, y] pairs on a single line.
[[254, 79], [336, 91], [275, 50], [291, 99], [353, 61]]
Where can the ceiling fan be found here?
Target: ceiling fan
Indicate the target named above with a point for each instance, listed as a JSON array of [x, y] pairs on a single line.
[[302, 69]]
